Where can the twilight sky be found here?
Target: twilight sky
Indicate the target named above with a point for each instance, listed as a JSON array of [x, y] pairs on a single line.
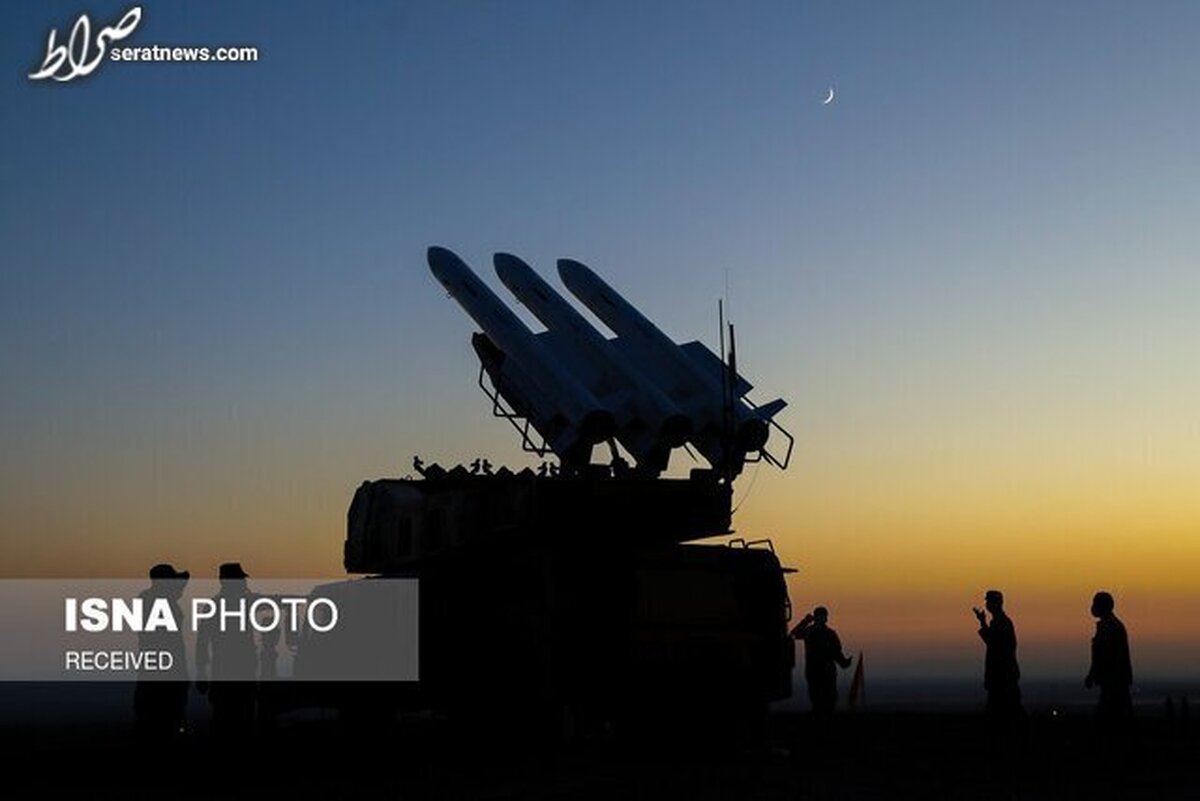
[[974, 276]]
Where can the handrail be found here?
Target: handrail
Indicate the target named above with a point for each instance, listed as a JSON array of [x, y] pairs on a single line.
[[522, 428]]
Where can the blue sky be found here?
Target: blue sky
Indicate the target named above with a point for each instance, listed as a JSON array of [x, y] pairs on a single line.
[[980, 260]]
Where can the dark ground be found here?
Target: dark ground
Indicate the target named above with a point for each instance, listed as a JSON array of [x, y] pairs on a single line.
[[873, 754]]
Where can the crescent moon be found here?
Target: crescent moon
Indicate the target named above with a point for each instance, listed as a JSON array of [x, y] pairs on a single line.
[[829, 98]]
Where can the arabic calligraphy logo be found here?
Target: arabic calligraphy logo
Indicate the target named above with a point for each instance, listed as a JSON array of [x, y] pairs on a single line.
[[80, 56]]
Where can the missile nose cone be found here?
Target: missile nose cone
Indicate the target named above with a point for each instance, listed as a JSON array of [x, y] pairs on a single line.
[[443, 261], [512, 270], [439, 255], [572, 272]]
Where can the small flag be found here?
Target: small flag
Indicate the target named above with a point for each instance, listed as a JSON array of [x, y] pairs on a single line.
[[857, 691]]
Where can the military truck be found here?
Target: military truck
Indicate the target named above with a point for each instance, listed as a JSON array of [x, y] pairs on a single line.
[[578, 602], [583, 596]]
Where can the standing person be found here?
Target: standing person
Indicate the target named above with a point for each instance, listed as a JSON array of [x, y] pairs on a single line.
[[160, 698], [822, 656], [1001, 674], [226, 655], [1111, 668]]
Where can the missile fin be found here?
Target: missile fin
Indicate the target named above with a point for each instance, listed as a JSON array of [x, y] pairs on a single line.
[[769, 410]]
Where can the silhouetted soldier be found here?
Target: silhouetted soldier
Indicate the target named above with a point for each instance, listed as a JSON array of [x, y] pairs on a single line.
[[822, 656], [1111, 669], [233, 658], [160, 698], [1001, 674], [269, 637], [268, 646]]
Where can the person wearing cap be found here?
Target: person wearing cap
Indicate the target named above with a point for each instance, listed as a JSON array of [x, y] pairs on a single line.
[[1111, 669], [160, 697], [1001, 674], [227, 660], [822, 657]]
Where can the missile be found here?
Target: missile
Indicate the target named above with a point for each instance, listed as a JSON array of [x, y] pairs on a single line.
[[690, 374], [523, 370], [649, 424]]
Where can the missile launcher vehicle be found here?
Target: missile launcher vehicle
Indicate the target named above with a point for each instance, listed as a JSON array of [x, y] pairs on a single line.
[[580, 595]]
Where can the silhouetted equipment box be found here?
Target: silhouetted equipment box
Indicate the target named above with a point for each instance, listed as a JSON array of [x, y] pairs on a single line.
[[395, 524], [591, 588]]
